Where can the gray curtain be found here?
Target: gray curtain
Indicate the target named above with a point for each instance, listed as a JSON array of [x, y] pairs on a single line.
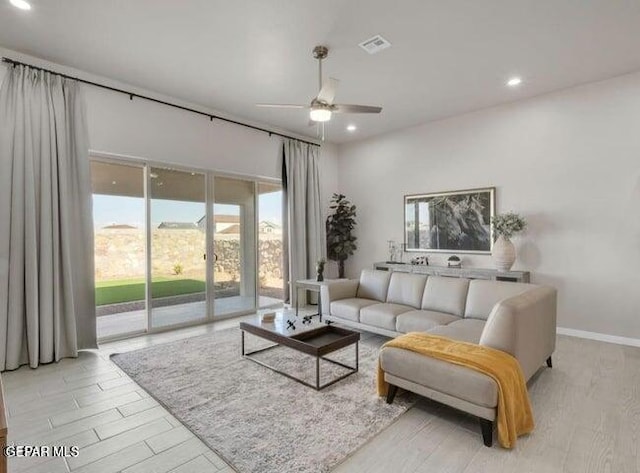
[[304, 229], [47, 307]]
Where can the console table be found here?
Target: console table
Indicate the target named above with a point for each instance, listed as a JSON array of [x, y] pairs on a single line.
[[470, 273]]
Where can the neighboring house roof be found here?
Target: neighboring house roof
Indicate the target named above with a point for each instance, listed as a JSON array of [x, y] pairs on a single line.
[[220, 219], [230, 230], [266, 223], [178, 226], [119, 226]]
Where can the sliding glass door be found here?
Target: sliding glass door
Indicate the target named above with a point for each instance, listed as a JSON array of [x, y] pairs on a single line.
[[270, 256], [177, 217], [119, 248], [175, 247], [234, 240]]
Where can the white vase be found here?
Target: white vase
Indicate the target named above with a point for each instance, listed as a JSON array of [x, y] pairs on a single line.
[[503, 253]]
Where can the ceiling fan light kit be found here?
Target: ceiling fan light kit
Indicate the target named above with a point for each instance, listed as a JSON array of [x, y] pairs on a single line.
[[320, 114], [322, 107]]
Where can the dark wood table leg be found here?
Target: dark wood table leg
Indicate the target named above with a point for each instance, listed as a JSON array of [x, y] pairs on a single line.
[[357, 356]]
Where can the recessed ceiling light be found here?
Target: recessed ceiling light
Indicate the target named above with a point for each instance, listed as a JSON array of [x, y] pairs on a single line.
[[351, 128], [514, 81], [21, 4]]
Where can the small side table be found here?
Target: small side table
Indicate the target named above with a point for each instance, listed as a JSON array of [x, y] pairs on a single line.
[[310, 285]]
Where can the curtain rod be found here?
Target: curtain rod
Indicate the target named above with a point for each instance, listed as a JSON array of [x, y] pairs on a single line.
[[131, 95]]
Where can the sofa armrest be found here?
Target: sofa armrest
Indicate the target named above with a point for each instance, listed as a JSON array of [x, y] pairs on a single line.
[[525, 327], [336, 290]]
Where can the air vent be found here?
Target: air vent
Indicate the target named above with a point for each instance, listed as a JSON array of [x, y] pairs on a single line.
[[375, 45]]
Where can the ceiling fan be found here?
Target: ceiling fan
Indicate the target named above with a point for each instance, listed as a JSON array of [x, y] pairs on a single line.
[[322, 107]]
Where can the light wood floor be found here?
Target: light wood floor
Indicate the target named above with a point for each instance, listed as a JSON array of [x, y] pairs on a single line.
[[587, 411]]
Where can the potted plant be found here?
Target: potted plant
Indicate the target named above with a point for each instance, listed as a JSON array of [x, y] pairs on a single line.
[[505, 226], [341, 243], [320, 269]]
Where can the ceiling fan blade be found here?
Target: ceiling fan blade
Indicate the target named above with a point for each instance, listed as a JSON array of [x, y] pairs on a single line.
[[280, 105], [346, 108], [328, 91]]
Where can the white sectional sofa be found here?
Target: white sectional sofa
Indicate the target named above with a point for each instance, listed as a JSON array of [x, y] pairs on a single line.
[[517, 318]]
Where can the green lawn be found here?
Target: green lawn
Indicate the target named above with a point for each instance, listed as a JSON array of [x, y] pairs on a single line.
[[128, 290]]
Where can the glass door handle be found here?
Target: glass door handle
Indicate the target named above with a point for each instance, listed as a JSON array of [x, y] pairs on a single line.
[[215, 257]]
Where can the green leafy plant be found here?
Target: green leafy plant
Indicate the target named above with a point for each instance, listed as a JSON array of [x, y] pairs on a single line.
[[177, 269], [507, 224], [341, 243]]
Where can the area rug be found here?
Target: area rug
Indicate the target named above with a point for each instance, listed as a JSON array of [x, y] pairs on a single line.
[[256, 419]]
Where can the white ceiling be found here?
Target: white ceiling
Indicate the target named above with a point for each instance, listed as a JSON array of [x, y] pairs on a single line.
[[447, 57]]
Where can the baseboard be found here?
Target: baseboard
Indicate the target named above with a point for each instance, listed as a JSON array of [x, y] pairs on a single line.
[[602, 337]]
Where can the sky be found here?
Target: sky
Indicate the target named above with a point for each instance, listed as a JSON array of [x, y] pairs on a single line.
[[109, 210]]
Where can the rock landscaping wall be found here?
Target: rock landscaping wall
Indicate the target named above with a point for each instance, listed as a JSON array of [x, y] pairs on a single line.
[[120, 254]]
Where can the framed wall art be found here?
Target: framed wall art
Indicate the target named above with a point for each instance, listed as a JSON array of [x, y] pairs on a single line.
[[450, 222]]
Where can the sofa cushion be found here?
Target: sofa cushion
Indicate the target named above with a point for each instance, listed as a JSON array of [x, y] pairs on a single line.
[[466, 330], [382, 315], [422, 320], [350, 308], [445, 295], [406, 288], [374, 284], [458, 381], [484, 295]]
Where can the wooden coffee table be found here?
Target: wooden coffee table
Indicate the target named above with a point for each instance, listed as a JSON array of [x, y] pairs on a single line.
[[315, 339]]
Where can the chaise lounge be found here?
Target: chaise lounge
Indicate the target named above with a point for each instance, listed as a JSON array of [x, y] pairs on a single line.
[[517, 318]]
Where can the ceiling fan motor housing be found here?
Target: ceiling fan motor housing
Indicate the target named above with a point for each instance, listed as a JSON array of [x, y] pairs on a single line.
[[320, 52]]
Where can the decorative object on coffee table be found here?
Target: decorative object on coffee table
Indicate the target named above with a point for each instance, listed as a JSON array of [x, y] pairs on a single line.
[[320, 269], [505, 226], [341, 243], [450, 222]]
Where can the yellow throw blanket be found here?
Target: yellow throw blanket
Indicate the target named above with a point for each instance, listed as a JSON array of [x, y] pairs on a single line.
[[514, 414]]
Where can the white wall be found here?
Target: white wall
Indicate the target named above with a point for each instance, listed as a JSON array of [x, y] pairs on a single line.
[[569, 161]]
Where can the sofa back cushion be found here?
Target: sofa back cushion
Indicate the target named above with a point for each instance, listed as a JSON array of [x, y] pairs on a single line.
[[484, 295], [374, 284], [445, 295], [407, 289]]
